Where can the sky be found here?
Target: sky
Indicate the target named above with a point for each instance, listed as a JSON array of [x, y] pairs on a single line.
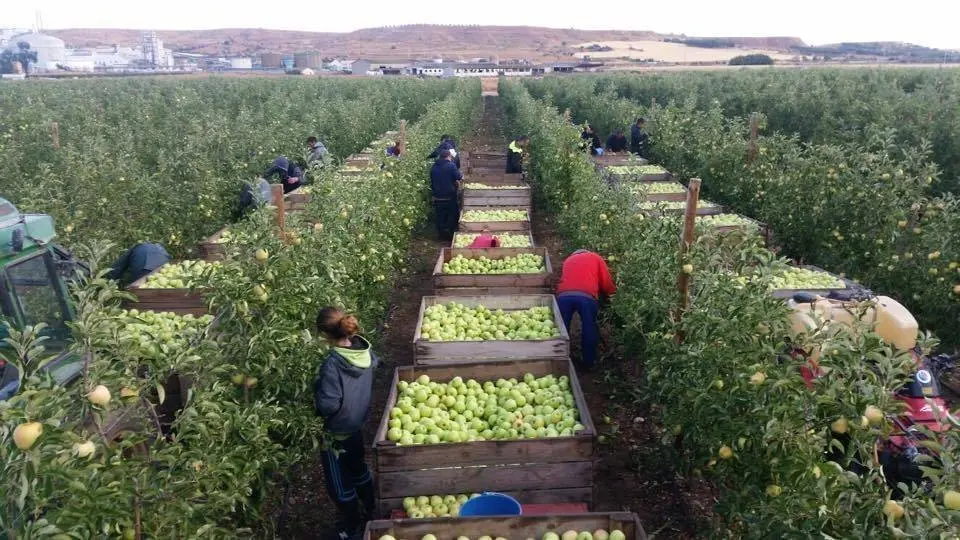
[[924, 22]]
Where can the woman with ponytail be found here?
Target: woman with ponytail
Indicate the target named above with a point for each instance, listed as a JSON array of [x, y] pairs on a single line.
[[342, 394]]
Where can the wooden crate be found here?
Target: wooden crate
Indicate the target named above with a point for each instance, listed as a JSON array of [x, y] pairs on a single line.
[[182, 301], [495, 226], [484, 284], [548, 470], [211, 249], [485, 154], [453, 243], [788, 293], [521, 196], [509, 527], [296, 201], [619, 159], [438, 352]]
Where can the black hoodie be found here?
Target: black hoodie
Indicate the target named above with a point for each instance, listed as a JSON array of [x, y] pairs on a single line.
[[343, 389]]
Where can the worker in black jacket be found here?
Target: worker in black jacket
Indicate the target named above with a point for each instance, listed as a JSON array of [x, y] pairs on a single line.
[[617, 142], [137, 262], [445, 180], [591, 141], [342, 395], [515, 154], [446, 143], [289, 172], [639, 139]]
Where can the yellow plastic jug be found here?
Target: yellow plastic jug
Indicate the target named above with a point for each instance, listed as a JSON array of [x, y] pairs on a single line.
[[895, 324]]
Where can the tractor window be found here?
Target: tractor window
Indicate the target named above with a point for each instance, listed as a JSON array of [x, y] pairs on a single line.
[[37, 295]]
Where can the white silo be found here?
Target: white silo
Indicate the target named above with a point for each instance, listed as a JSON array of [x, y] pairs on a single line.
[[50, 51]]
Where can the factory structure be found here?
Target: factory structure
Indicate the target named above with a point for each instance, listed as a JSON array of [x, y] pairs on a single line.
[[150, 55], [53, 55]]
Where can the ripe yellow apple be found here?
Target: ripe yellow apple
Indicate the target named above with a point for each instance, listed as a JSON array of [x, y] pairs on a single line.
[[99, 396], [688, 269], [840, 425], [725, 452], [250, 382], [873, 414], [951, 499], [892, 509], [84, 449], [261, 255], [26, 434]]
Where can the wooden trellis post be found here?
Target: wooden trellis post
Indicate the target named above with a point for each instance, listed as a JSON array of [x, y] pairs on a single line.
[[402, 139], [566, 115], [754, 129], [277, 192], [55, 135], [686, 240]]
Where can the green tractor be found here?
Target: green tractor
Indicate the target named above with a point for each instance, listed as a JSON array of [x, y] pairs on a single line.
[[34, 272]]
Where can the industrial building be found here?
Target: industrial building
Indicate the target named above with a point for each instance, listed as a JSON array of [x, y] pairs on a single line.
[[51, 51], [311, 60], [271, 60]]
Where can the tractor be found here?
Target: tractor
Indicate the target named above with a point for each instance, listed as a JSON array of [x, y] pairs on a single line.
[[34, 273], [925, 410]]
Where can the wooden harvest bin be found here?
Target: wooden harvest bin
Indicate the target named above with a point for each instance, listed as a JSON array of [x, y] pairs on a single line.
[[788, 293], [619, 159], [495, 226], [509, 527], [488, 163], [182, 301], [211, 249], [485, 154], [521, 196], [546, 470], [453, 243], [481, 284], [427, 352]]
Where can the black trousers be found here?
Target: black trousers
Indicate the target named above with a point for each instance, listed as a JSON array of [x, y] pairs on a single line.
[[447, 216], [349, 481]]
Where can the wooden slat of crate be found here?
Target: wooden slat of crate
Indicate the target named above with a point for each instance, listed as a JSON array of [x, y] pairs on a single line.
[[530, 497], [438, 352], [513, 465], [453, 243], [492, 177], [496, 226], [509, 527], [701, 211], [506, 283], [181, 301], [210, 249]]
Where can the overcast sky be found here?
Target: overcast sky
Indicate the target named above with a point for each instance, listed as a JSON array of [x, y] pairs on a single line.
[[925, 22]]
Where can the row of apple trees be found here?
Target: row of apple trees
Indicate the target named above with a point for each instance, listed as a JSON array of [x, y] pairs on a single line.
[[109, 459], [163, 160], [863, 211], [731, 407]]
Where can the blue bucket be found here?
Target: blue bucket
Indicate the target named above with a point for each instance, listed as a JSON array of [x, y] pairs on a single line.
[[491, 504]]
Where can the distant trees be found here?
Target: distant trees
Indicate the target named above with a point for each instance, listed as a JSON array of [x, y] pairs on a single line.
[[751, 60], [23, 55]]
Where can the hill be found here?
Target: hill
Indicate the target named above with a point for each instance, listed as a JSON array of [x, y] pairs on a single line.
[[399, 42]]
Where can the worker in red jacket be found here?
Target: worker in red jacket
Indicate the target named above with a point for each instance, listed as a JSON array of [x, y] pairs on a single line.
[[485, 240], [583, 279]]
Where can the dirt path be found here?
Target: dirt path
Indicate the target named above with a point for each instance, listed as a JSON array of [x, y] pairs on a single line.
[[633, 469]]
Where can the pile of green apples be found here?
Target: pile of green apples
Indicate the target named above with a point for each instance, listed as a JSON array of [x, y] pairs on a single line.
[[181, 275], [636, 169], [473, 216], [457, 322], [463, 240], [428, 412], [477, 185], [524, 263], [599, 534], [792, 277], [435, 505], [152, 334], [674, 205], [727, 220], [658, 187]]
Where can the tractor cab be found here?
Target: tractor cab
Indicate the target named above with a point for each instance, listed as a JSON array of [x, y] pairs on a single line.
[[33, 289]]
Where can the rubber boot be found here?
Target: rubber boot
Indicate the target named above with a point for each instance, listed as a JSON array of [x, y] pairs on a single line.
[[350, 521], [367, 494]]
